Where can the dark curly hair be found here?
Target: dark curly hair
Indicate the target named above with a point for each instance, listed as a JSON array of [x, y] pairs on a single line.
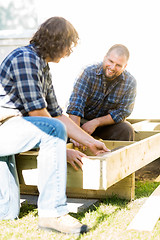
[[54, 37]]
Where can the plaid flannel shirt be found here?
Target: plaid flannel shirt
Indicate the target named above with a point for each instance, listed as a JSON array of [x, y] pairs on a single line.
[[26, 84], [93, 96]]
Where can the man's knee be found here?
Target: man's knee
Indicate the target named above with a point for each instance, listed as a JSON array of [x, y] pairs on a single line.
[[127, 131], [50, 126], [61, 131], [58, 129], [122, 131]]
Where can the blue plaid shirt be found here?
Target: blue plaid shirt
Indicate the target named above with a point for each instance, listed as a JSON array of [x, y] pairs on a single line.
[[93, 96], [26, 84]]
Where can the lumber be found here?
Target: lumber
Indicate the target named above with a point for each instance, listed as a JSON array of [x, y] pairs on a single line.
[[124, 189], [131, 158], [148, 214], [145, 124], [135, 120], [140, 135], [75, 205], [99, 172]]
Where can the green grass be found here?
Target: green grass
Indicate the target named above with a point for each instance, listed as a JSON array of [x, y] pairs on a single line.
[[108, 221], [145, 189]]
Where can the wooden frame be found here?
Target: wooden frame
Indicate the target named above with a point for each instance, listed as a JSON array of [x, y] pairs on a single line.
[[145, 124], [110, 174]]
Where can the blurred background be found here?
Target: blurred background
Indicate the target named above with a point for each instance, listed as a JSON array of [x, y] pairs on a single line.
[[100, 24]]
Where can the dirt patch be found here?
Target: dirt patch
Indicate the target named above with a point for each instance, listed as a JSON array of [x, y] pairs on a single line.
[[150, 172]]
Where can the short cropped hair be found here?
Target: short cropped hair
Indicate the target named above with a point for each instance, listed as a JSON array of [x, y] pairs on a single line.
[[120, 49], [55, 36]]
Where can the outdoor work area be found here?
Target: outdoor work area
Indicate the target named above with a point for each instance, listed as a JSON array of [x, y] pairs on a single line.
[[129, 209], [118, 192], [79, 120]]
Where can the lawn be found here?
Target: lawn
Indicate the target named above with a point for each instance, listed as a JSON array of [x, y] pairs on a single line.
[[108, 221]]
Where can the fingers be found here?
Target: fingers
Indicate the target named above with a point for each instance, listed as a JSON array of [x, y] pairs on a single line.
[[106, 149], [102, 147], [74, 166], [101, 152], [74, 157], [98, 147], [76, 144]]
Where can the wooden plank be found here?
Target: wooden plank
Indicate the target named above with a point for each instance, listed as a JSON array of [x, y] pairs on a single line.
[[28, 189], [27, 164], [76, 182], [26, 167], [101, 172], [95, 179], [139, 120], [129, 159], [109, 169], [140, 135], [75, 205], [138, 126], [148, 214], [135, 120], [147, 126], [124, 189]]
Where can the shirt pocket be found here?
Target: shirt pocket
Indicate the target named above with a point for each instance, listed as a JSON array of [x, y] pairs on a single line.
[[112, 102], [95, 100]]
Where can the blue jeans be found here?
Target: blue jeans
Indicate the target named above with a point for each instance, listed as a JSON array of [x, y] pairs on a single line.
[[20, 134]]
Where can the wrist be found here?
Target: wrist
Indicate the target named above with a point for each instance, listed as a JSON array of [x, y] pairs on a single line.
[[90, 142], [96, 122]]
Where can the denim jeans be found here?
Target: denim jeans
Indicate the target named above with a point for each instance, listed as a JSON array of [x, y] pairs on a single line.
[[19, 134]]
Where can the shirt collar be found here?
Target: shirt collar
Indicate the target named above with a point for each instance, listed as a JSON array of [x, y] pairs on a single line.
[[45, 65]]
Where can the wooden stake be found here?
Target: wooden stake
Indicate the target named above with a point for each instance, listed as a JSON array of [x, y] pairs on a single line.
[[148, 214]]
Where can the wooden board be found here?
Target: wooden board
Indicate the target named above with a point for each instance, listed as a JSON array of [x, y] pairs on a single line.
[[145, 124], [101, 175], [113, 167], [148, 214], [76, 180], [124, 189], [129, 159]]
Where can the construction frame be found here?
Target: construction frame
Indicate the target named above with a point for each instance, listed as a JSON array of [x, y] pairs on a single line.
[[103, 176]]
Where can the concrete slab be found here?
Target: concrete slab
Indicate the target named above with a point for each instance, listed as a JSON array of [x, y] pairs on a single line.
[[75, 205]]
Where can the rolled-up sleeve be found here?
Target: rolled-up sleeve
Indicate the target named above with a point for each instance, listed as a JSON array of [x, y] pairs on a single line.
[[34, 88], [125, 106]]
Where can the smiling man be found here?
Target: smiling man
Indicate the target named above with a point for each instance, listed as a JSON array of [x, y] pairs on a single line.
[[104, 96]]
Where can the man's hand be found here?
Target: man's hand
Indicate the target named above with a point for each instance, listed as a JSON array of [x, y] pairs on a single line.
[[76, 144], [90, 126], [79, 135], [98, 147], [74, 157]]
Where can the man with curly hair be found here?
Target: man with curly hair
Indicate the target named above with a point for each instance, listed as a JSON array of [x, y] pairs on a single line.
[[104, 96], [30, 117]]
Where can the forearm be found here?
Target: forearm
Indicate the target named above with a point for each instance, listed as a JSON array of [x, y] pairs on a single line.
[[105, 120], [75, 132], [75, 119], [90, 126], [39, 112]]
